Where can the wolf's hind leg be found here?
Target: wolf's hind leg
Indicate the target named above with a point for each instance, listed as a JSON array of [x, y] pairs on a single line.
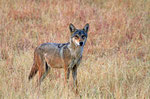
[[44, 72]]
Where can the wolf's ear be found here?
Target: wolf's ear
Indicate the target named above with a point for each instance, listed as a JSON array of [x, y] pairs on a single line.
[[86, 28], [72, 28]]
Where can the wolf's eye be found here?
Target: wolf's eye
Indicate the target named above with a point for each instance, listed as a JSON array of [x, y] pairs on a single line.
[[76, 37], [83, 37]]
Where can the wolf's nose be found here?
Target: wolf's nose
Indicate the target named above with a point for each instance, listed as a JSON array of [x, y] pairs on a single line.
[[81, 43]]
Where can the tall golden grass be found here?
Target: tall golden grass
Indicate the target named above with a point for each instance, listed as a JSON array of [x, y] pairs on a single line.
[[116, 58]]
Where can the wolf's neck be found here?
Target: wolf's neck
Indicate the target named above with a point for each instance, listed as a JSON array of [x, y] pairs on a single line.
[[75, 51]]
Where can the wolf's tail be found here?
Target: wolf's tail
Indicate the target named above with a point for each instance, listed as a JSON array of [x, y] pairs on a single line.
[[34, 68], [33, 71]]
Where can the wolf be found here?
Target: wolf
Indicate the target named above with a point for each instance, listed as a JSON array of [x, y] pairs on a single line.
[[60, 55]]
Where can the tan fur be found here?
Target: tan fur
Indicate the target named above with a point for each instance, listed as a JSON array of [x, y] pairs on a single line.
[[66, 55]]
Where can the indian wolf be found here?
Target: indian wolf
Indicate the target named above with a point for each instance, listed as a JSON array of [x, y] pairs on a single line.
[[60, 55]]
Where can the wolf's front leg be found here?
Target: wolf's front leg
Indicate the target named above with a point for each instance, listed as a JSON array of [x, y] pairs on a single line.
[[74, 75], [67, 73]]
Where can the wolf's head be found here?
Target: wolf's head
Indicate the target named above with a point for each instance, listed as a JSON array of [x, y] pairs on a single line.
[[79, 36]]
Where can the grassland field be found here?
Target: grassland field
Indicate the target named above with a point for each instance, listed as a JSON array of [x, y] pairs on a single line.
[[116, 57]]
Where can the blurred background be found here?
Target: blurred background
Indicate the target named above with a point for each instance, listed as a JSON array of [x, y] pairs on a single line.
[[116, 58]]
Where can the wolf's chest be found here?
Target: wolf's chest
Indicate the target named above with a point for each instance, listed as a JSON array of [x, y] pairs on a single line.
[[76, 57], [74, 61]]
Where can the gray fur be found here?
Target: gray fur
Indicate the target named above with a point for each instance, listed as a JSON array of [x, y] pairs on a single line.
[[60, 55]]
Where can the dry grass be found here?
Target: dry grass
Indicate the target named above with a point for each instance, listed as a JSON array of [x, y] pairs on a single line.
[[116, 62]]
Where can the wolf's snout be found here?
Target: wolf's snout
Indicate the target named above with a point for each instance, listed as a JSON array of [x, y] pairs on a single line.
[[81, 43]]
